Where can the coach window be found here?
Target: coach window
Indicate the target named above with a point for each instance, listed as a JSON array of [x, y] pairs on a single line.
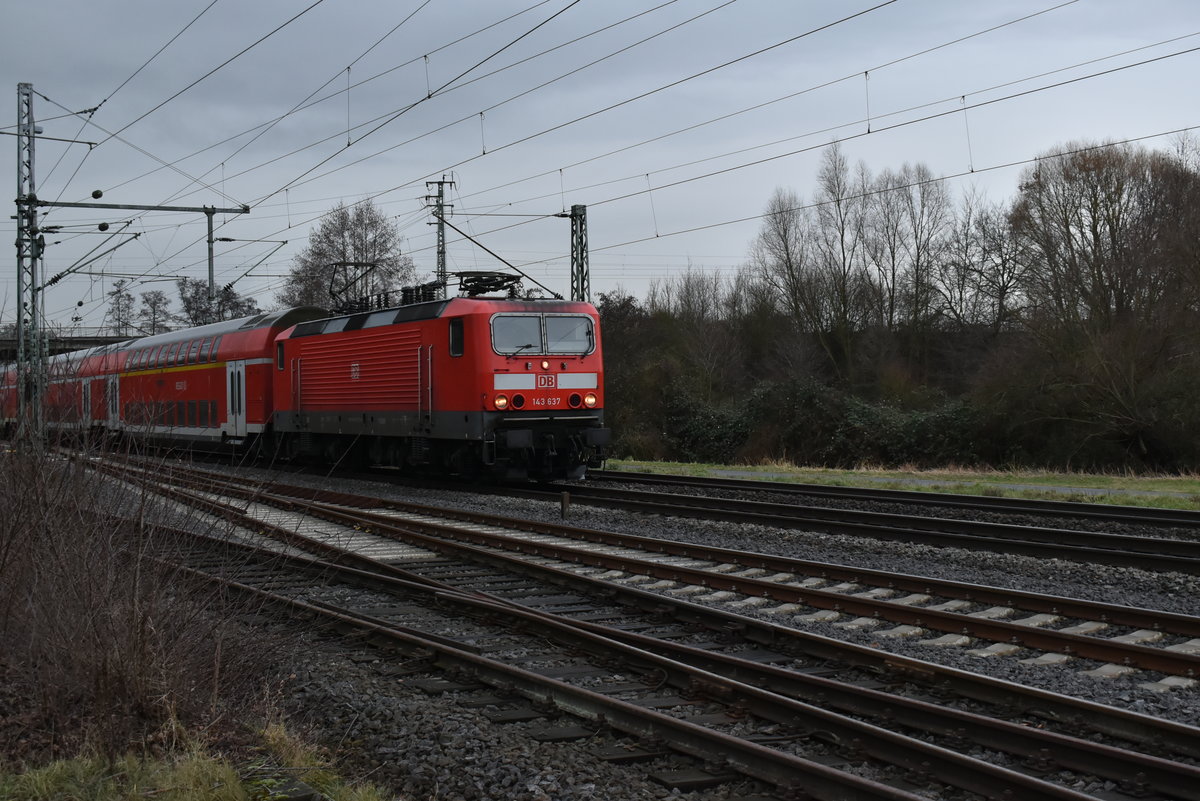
[[193, 349], [278, 355], [171, 353], [212, 355], [456, 337], [204, 347], [517, 333], [181, 356]]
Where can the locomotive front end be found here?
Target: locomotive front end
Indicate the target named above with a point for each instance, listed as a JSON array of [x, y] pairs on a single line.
[[544, 404]]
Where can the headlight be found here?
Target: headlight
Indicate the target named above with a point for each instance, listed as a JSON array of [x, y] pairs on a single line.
[[545, 364], [589, 400], [500, 402]]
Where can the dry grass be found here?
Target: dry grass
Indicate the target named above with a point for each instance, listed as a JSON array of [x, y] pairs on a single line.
[[1122, 488], [105, 648]]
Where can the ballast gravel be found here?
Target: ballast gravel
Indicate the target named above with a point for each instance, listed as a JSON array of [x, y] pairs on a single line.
[[433, 747], [380, 726], [1175, 592]]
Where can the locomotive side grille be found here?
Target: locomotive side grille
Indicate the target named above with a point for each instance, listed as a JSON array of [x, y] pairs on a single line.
[[381, 370]]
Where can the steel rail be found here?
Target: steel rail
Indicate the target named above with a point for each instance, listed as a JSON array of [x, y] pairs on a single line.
[[1181, 664], [786, 771], [1114, 721], [1149, 658], [776, 767], [683, 670], [1041, 507], [1149, 553]]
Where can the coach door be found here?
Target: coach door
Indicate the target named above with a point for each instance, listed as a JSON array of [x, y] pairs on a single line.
[[114, 401], [235, 374]]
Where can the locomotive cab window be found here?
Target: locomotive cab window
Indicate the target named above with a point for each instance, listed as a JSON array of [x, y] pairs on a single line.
[[568, 333], [456, 337], [517, 333], [533, 334]]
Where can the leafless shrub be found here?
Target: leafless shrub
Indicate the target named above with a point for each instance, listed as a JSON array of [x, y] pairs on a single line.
[[106, 643]]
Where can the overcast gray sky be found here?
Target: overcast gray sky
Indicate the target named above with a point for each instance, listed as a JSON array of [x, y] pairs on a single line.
[[636, 109]]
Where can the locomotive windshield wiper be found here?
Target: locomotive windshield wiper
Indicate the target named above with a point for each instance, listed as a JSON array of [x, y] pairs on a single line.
[[521, 348]]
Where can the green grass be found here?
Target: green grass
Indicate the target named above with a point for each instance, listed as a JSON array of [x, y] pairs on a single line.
[[191, 777], [1118, 489]]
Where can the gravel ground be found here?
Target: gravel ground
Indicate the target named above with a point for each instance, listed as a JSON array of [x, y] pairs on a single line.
[[383, 728]]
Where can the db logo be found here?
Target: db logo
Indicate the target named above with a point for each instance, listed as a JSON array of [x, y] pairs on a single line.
[[354, 371], [545, 382], [180, 385]]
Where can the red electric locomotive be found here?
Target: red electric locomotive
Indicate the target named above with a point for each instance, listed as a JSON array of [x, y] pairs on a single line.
[[504, 386], [470, 385]]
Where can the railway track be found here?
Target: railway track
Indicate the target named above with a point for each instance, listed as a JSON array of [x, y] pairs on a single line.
[[1063, 629], [598, 603], [1149, 553], [1035, 508]]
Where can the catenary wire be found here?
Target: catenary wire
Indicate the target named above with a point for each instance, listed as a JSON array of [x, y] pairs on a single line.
[[223, 64], [816, 132], [473, 115], [269, 126], [275, 120], [848, 138], [851, 137]]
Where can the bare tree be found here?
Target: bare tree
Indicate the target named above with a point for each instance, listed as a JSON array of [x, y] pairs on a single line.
[[695, 302], [1002, 271], [1111, 309], [120, 309], [360, 234], [839, 255], [927, 214], [959, 273], [155, 311], [198, 309], [781, 252], [885, 247]]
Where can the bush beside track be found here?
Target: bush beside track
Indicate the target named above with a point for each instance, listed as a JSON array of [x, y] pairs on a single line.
[[118, 680]]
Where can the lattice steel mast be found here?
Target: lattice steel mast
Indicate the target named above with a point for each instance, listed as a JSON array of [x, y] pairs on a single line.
[[581, 281], [31, 345], [438, 202]]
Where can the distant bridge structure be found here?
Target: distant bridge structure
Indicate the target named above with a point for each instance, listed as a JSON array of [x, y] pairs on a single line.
[[63, 340]]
